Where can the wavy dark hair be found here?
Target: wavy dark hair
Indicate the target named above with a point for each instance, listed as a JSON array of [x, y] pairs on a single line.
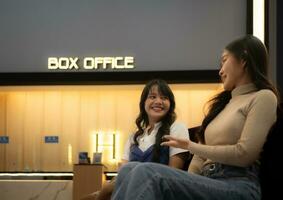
[[251, 50], [142, 120]]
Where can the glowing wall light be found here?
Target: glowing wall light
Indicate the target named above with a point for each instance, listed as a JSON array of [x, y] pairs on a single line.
[[258, 19], [101, 141], [70, 154]]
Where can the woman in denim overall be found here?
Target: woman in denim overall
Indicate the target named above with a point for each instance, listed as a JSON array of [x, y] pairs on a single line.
[[157, 118]]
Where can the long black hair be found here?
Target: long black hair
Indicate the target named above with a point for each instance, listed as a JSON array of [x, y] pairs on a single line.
[[251, 50], [142, 120]]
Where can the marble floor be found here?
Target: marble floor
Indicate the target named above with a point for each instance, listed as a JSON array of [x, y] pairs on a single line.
[[36, 189]]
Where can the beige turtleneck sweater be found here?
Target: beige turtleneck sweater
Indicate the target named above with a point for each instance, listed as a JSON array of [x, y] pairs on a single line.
[[237, 134]]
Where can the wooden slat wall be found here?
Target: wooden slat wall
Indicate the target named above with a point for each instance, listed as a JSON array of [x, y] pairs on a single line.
[[52, 125], [75, 114], [3, 131], [15, 112]]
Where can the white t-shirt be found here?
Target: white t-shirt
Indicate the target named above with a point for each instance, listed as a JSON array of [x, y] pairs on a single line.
[[146, 140]]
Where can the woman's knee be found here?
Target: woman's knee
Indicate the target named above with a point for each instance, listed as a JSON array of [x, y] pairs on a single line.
[[137, 170], [128, 167], [125, 170], [146, 169]]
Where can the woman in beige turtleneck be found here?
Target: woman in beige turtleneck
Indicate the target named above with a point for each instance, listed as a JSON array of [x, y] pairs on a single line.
[[225, 163]]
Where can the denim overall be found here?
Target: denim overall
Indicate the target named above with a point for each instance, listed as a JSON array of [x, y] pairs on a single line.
[[136, 154]]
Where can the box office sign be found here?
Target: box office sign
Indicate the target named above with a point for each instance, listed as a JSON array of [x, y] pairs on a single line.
[[90, 63]]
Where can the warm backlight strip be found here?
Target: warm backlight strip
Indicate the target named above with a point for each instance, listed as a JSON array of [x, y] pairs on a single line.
[[258, 19], [104, 141]]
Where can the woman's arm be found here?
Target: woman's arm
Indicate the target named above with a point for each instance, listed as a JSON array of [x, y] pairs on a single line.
[[178, 160], [260, 118], [178, 156], [178, 130], [196, 164]]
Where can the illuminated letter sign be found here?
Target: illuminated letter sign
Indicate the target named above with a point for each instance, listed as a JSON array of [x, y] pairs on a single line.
[[91, 63], [62, 63]]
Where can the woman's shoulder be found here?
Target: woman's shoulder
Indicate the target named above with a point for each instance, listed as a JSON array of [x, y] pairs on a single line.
[[177, 124], [263, 98], [131, 138], [179, 129], [266, 95]]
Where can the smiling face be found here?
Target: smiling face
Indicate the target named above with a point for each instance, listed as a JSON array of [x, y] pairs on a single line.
[[233, 72], [156, 105]]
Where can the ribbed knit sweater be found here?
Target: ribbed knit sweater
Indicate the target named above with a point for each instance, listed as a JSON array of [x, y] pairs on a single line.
[[237, 134]]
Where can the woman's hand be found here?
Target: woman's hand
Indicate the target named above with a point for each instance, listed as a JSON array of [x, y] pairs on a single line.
[[175, 142], [92, 196]]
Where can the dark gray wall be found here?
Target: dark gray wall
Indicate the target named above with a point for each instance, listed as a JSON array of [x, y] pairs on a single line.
[[271, 37], [162, 35]]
